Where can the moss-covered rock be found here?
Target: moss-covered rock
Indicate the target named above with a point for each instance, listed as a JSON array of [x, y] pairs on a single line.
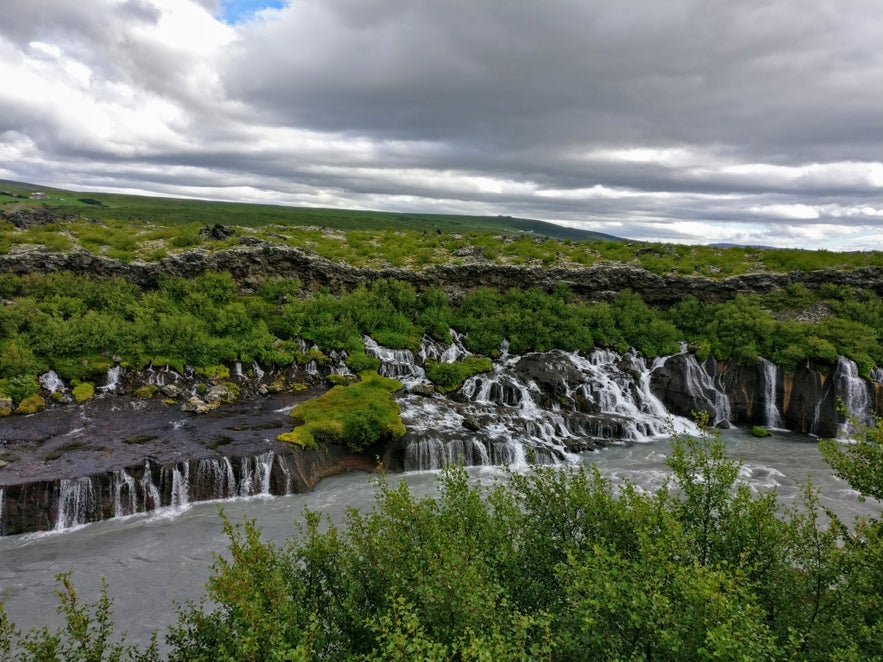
[[83, 391], [760, 432], [214, 372], [146, 392], [31, 405], [359, 415], [5, 411]]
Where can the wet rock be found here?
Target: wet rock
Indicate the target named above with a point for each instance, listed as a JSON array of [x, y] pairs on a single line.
[[171, 390], [426, 390], [220, 393], [471, 423], [198, 406]]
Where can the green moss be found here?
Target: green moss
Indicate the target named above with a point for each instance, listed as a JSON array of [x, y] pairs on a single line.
[[449, 377], [760, 432], [82, 368], [146, 392], [83, 391], [359, 415], [360, 361], [5, 411], [31, 405], [214, 372]]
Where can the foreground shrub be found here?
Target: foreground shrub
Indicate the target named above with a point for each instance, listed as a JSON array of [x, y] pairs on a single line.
[[555, 564]]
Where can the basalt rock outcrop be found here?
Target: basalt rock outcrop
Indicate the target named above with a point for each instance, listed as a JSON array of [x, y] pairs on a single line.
[[255, 260]]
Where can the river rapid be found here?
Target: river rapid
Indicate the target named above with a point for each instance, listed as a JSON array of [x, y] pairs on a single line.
[[152, 561]]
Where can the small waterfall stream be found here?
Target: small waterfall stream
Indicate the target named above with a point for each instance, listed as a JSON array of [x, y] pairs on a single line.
[[76, 503], [854, 393], [772, 417]]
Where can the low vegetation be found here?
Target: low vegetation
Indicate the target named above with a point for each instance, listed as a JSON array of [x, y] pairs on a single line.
[[79, 326], [449, 377], [358, 415]]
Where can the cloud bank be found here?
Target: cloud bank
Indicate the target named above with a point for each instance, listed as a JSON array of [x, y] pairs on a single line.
[[689, 120]]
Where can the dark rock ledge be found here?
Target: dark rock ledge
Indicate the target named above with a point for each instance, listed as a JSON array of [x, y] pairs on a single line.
[[250, 264]]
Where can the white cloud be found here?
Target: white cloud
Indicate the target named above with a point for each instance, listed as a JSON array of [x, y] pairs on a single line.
[[760, 126]]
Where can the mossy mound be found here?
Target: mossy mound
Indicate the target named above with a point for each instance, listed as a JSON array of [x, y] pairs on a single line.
[[760, 432], [31, 405], [449, 377], [359, 415], [146, 392], [83, 391]]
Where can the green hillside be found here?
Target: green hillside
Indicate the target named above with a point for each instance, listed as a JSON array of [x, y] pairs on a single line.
[[168, 211]]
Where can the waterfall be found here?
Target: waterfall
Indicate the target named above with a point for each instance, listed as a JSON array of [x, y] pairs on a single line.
[[52, 382], [113, 379], [125, 498], [214, 478], [149, 489], [771, 418], [180, 485], [312, 368], [853, 391], [256, 369], [400, 364], [536, 408], [453, 351], [255, 474], [877, 375], [76, 502], [237, 370]]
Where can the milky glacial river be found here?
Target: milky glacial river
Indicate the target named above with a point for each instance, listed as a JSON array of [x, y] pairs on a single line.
[[154, 560]]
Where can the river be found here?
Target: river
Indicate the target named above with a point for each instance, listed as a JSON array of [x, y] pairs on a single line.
[[151, 561]]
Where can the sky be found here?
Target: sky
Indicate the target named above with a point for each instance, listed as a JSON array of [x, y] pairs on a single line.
[[698, 121]]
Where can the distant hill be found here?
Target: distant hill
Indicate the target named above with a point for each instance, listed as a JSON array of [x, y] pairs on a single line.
[[104, 206]]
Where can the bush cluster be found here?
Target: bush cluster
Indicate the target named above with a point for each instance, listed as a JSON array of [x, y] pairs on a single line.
[[556, 564]]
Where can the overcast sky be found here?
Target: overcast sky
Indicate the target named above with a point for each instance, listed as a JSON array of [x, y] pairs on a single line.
[[747, 121]]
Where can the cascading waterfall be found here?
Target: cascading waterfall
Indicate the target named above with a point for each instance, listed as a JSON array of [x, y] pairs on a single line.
[[51, 382], [453, 351], [214, 478], [113, 379], [398, 364], [180, 485], [539, 408], [149, 489], [255, 474], [125, 496], [853, 391], [76, 502], [772, 418], [877, 375]]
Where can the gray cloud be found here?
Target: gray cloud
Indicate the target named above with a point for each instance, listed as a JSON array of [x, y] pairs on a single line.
[[685, 120]]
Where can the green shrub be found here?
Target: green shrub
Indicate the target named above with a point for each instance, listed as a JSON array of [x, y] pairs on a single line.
[[360, 361]]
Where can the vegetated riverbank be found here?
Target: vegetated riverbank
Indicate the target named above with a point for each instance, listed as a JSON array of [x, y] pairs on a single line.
[[220, 324]]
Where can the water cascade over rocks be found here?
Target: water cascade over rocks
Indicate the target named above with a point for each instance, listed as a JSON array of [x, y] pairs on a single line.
[[68, 503], [540, 407], [772, 418]]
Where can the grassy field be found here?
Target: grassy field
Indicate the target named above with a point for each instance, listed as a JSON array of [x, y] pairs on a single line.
[[177, 211], [129, 227]]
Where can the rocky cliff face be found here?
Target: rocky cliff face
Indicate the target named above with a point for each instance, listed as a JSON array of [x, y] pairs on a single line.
[[254, 261]]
